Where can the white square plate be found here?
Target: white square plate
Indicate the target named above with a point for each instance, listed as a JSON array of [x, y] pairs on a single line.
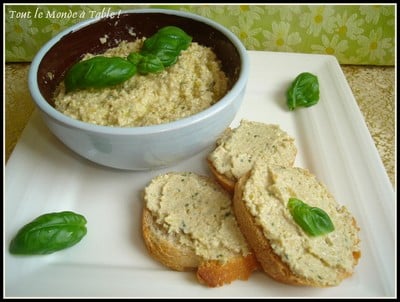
[[333, 142]]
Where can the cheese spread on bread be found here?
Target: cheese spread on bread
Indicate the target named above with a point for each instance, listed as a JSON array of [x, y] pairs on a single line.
[[199, 211], [238, 148], [322, 259]]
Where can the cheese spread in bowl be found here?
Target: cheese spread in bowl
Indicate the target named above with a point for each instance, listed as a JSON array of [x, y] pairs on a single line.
[[193, 84]]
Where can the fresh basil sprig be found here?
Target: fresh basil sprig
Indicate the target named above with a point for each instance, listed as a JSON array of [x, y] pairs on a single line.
[[314, 221], [158, 51], [303, 92], [49, 233]]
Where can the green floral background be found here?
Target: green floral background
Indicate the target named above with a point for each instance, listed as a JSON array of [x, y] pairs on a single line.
[[355, 34]]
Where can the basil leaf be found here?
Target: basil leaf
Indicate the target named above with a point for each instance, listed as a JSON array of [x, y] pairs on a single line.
[[49, 233], [99, 72], [173, 32], [150, 64], [167, 44], [166, 55], [314, 221], [303, 92]]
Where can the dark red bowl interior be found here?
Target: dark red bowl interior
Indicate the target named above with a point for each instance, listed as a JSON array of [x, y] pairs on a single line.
[[70, 49]]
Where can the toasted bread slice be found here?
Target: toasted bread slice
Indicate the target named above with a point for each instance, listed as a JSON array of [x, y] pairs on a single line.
[[283, 249], [237, 149], [188, 225]]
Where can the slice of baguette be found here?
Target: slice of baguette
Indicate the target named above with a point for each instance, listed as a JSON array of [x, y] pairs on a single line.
[[283, 249], [188, 225], [237, 149]]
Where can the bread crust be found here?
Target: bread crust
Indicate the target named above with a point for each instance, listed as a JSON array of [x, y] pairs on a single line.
[[270, 262], [225, 182], [213, 273], [164, 249]]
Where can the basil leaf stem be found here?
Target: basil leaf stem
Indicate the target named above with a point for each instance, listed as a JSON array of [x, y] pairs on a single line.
[[314, 221], [158, 51], [303, 92], [49, 233]]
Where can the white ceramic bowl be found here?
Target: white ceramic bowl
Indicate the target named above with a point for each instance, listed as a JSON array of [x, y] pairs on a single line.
[[138, 148]]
